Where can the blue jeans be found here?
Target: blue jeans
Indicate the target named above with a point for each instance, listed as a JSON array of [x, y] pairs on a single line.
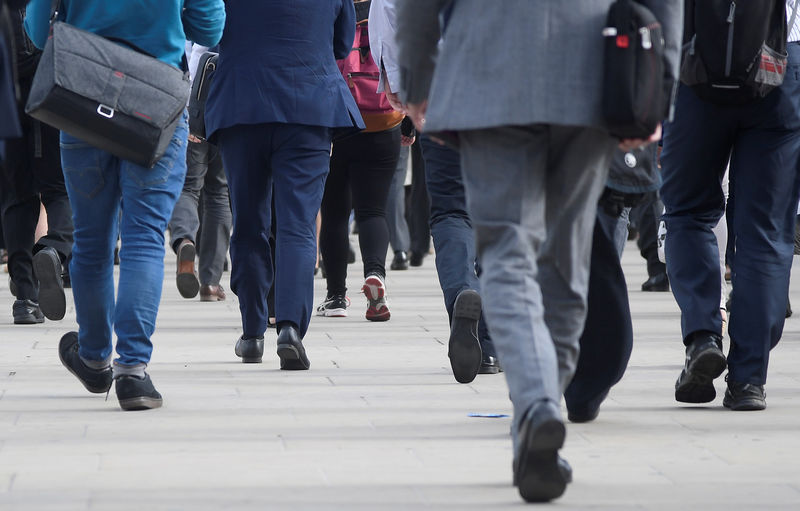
[[762, 140], [451, 228], [98, 183]]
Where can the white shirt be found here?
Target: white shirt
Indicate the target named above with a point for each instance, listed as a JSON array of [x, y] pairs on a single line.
[[794, 29], [382, 28]]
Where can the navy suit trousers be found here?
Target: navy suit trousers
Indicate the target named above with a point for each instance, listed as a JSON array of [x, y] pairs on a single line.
[[762, 140], [295, 158]]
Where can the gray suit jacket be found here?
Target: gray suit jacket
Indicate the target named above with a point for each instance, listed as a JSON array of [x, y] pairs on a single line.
[[512, 62]]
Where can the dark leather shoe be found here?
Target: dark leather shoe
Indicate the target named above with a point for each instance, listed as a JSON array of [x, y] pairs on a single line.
[[658, 282], [704, 362], [744, 397], [212, 293], [490, 365], [97, 381], [464, 349], [584, 415], [186, 279], [400, 261], [416, 258], [27, 312], [250, 349], [136, 393], [540, 473], [47, 268], [291, 351]]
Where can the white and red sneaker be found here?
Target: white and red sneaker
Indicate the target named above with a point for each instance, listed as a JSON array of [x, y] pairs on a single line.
[[375, 291]]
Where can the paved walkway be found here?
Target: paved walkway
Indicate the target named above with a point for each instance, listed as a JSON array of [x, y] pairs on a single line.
[[377, 423]]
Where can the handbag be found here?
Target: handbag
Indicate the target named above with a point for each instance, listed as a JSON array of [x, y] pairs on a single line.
[[636, 96], [119, 100], [200, 86]]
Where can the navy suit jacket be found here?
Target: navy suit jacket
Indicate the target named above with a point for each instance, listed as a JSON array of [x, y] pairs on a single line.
[[277, 64]]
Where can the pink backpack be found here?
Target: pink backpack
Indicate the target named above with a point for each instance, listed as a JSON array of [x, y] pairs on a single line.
[[362, 74]]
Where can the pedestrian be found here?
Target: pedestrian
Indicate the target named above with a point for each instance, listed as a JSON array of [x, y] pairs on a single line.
[[98, 185], [275, 104], [535, 156]]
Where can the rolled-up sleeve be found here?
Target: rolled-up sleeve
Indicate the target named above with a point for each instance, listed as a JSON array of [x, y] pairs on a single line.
[[203, 21]]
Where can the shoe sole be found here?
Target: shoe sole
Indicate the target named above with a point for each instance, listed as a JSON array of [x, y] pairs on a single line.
[[539, 477], [211, 298], [697, 386], [463, 348], [290, 358], [375, 291], [140, 403], [489, 370], [749, 405], [52, 301], [333, 313], [186, 279], [28, 320]]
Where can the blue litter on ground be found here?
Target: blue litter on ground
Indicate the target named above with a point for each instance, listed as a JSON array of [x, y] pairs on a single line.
[[488, 415]]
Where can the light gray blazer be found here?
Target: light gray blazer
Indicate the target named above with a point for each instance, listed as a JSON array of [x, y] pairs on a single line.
[[513, 62]]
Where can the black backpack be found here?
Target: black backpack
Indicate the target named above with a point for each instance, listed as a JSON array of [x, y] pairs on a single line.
[[734, 51]]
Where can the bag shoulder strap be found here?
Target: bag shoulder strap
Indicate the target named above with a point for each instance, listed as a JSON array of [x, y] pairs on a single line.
[[54, 6]]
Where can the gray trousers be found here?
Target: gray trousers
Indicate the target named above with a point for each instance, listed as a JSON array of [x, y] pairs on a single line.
[[204, 173], [532, 194], [399, 237]]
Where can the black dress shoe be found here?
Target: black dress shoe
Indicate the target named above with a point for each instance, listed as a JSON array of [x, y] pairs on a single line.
[[400, 261], [490, 365], [658, 282], [27, 312], [416, 258], [291, 351], [135, 393], [540, 473], [583, 415], [464, 349], [48, 270], [788, 308], [97, 381], [250, 349], [744, 397], [704, 362]]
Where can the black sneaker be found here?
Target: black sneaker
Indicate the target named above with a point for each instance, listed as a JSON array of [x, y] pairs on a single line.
[[97, 381], [334, 307], [704, 362], [48, 270], [135, 393], [27, 312], [744, 397]]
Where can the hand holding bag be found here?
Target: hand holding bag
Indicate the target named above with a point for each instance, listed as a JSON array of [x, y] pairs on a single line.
[[114, 98]]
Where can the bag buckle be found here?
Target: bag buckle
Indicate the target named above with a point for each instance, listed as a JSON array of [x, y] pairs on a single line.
[[105, 110]]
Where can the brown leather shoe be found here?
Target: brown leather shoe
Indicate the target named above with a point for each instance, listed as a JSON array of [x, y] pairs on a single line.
[[186, 279], [212, 293]]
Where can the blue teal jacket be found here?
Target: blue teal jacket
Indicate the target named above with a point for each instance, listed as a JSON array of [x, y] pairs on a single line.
[[159, 27], [277, 64]]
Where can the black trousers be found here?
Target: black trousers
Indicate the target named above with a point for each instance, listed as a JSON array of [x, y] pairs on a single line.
[[362, 167], [418, 204], [607, 338], [32, 172]]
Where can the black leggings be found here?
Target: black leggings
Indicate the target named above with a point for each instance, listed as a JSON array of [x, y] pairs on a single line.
[[361, 174]]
